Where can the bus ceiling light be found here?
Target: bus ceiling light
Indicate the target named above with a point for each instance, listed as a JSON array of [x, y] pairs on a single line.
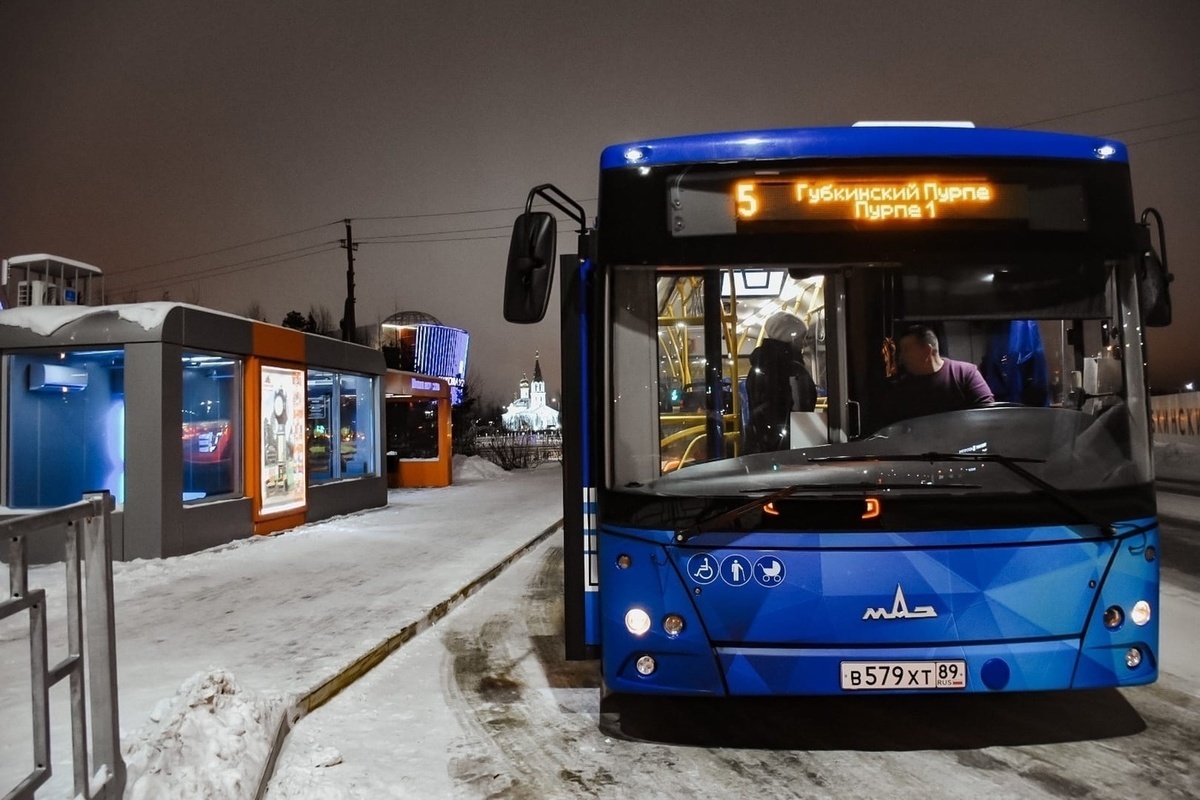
[[637, 621], [1106, 151], [872, 123], [1133, 657], [1113, 617], [1140, 613], [673, 624], [636, 155], [646, 665]]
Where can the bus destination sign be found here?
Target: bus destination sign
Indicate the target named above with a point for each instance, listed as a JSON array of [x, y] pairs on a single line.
[[901, 199]]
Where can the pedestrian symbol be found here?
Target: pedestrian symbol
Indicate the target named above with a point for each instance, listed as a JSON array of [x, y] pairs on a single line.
[[735, 570], [703, 568]]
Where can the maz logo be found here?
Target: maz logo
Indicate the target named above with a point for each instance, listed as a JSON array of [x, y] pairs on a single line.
[[900, 609]]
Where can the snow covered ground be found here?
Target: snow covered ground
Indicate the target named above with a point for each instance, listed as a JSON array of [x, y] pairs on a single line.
[[213, 647], [485, 706], [1177, 461]]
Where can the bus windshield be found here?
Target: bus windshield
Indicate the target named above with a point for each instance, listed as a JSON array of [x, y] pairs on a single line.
[[731, 380]]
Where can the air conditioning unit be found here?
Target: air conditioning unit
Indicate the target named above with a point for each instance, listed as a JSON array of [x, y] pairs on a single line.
[[36, 293], [57, 378]]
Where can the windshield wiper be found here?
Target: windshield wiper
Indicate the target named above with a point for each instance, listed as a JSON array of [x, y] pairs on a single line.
[[1011, 463], [683, 534]]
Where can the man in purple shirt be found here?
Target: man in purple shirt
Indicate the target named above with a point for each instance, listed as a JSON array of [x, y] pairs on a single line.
[[932, 384]]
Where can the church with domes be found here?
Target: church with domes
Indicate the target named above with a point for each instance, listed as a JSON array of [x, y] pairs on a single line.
[[529, 411]]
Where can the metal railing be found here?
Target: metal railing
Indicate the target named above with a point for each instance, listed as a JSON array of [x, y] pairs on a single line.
[[536, 446], [90, 622]]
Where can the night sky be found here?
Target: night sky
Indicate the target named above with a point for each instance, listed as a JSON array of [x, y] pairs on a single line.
[[136, 133]]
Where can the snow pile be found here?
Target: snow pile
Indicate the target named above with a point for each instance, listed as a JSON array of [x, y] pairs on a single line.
[[475, 468], [209, 742], [1177, 460]]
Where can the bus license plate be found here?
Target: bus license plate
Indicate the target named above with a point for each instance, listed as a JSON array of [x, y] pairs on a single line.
[[866, 675]]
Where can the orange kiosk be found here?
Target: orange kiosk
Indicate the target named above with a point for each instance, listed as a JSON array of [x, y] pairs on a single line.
[[419, 434]]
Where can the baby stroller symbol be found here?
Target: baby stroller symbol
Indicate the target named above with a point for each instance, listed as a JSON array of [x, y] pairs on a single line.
[[768, 571]]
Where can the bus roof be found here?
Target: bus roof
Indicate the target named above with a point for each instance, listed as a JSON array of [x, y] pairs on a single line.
[[862, 141]]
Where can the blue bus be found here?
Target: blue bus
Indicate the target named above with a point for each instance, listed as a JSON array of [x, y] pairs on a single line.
[[753, 504]]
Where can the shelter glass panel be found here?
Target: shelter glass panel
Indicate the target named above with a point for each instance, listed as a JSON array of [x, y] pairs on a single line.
[[357, 425], [413, 428], [321, 428], [66, 426], [340, 427], [212, 430]]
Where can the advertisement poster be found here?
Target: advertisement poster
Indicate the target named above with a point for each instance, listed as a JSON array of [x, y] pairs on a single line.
[[283, 480]]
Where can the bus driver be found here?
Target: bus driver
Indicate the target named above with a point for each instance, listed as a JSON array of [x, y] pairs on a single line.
[[931, 384]]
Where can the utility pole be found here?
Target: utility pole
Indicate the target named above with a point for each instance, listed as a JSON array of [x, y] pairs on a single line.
[[348, 324]]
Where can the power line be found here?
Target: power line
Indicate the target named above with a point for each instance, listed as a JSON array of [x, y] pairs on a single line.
[[460, 213], [431, 233], [1155, 125], [1108, 107], [454, 239], [183, 281], [227, 249], [423, 237], [270, 259], [326, 225], [1163, 138], [234, 267]]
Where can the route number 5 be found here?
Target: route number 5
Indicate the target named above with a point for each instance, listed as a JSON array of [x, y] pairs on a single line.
[[747, 203]]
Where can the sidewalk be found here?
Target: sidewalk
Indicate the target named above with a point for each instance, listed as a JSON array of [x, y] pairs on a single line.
[[283, 614], [1181, 508]]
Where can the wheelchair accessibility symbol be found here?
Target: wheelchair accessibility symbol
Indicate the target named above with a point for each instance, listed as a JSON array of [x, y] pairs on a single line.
[[703, 568], [768, 571]]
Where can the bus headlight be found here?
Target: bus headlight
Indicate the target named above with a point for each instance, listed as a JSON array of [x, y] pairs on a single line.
[[673, 624], [646, 665], [637, 621], [1140, 613], [1113, 617], [1133, 657]]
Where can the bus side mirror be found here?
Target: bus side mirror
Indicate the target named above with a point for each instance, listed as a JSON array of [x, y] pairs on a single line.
[[530, 267], [1154, 281]]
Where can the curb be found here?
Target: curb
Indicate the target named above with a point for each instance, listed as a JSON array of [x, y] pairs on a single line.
[[329, 688]]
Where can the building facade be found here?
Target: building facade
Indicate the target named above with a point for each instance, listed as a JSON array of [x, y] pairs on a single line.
[[530, 411], [205, 427]]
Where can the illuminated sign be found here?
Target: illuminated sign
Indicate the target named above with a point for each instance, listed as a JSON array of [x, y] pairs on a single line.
[[891, 199], [876, 199], [282, 478]]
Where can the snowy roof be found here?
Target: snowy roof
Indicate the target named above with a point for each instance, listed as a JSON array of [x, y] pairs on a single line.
[[46, 320]]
